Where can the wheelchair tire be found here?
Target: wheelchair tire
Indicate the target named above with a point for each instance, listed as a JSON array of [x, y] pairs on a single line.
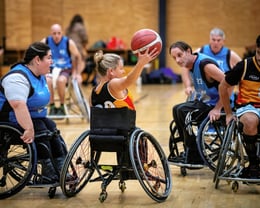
[[221, 165], [78, 96], [150, 165], [77, 169], [209, 140], [17, 161]]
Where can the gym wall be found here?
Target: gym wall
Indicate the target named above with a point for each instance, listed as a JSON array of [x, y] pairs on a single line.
[[25, 21]]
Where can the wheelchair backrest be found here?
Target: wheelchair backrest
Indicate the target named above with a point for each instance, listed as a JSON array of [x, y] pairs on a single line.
[[109, 119], [110, 128]]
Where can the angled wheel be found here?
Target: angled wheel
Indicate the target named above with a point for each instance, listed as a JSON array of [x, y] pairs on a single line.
[[209, 140], [79, 98], [150, 165], [77, 169], [227, 154], [17, 161]]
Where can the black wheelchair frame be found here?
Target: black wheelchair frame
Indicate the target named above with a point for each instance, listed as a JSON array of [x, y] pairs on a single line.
[[209, 137], [19, 165], [233, 158], [139, 156]]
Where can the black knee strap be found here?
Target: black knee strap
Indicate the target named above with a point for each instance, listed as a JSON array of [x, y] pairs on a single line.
[[251, 148], [250, 139]]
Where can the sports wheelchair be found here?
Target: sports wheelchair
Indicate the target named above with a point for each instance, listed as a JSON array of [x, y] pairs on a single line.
[[209, 137], [19, 165], [139, 156], [233, 158], [76, 105]]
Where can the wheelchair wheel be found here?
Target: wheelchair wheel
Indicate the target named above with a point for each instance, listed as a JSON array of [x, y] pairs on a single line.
[[78, 97], [77, 169], [227, 155], [17, 161], [209, 140], [150, 165]]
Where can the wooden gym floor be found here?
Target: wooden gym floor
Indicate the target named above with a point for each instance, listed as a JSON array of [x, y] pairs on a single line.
[[154, 113]]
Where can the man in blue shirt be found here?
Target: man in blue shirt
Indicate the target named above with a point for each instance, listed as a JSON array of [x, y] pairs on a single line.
[[66, 59], [216, 49], [206, 76]]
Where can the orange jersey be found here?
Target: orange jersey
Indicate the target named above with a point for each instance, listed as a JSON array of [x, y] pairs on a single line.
[[104, 99], [249, 86]]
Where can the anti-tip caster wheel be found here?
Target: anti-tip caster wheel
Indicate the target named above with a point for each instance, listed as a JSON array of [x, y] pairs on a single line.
[[51, 192], [183, 171], [235, 186], [102, 196], [122, 186]]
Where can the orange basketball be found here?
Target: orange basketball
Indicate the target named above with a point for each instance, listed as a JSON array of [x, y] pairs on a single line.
[[146, 38]]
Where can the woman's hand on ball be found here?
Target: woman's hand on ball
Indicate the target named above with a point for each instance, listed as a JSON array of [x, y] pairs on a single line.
[[148, 55]]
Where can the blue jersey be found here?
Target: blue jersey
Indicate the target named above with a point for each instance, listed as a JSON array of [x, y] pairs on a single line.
[[201, 85], [60, 53], [222, 57], [38, 98], [223, 60]]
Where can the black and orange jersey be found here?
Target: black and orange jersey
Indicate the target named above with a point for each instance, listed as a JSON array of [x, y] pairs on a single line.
[[247, 74], [103, 98]]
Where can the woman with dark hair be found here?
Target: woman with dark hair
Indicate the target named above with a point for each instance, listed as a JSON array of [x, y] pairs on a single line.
[[24, 96]]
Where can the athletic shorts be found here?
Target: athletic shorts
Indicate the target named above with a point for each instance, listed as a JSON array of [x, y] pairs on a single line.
[[246, 109]]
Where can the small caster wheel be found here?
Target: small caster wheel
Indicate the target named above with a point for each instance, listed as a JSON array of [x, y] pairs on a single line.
[[183, 171], [102, 196], [235, 186], [122, 186], [51, 192]]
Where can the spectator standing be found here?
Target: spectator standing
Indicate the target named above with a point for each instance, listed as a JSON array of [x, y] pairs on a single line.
[[78, 33]]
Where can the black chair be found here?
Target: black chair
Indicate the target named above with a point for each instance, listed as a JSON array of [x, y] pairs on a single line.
[[139, 156]]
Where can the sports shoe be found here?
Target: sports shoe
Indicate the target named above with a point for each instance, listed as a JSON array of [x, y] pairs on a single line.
[[177, 159], [53, 110], [182, 161], [49, 174], [61, 111], [250, 172], [193, 157]]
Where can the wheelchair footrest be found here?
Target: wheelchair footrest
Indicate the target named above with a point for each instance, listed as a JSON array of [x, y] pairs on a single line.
[[43, 185], [247, 181], [187, 165]]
